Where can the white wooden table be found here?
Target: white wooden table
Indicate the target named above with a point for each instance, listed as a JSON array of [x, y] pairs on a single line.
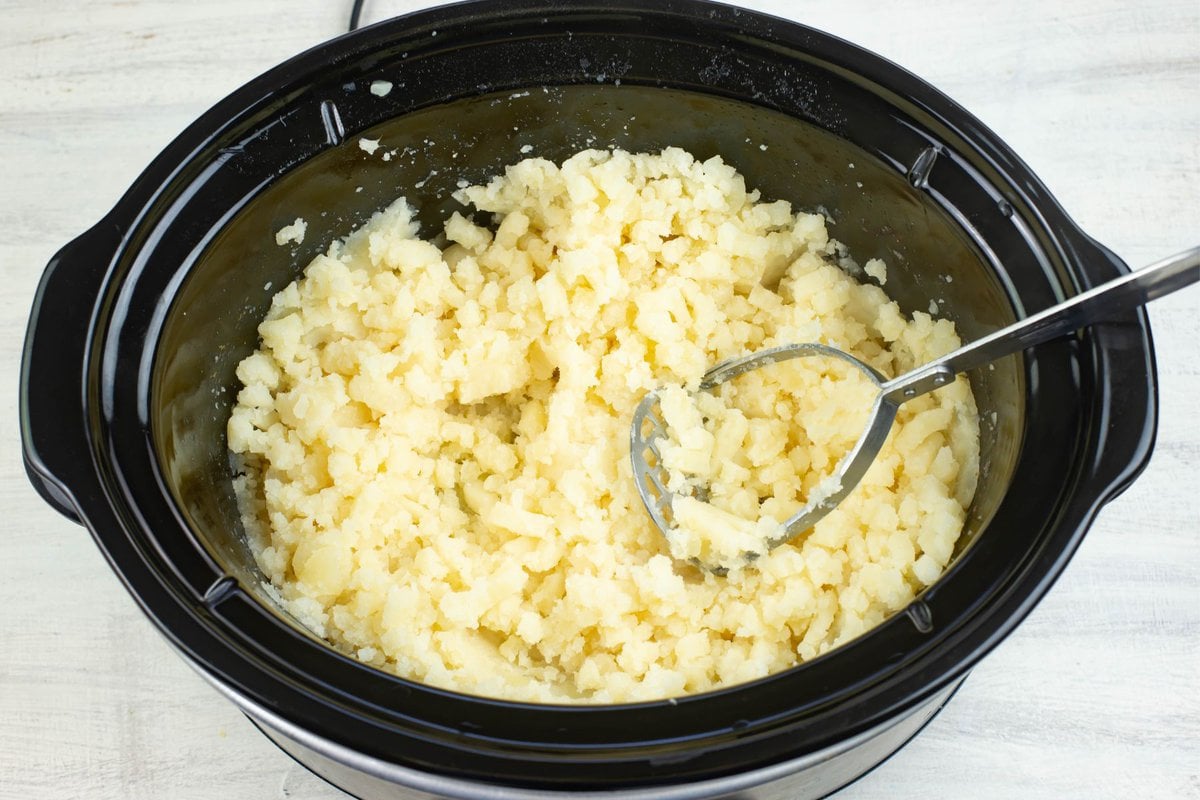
[[1096, 696]]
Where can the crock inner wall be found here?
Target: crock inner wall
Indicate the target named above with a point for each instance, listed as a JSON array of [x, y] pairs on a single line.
[[875, 210]]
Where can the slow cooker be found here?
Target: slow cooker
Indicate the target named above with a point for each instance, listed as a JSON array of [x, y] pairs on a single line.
[[128, 371]]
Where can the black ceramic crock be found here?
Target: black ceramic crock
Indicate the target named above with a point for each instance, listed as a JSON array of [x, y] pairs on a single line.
[[127, 376]]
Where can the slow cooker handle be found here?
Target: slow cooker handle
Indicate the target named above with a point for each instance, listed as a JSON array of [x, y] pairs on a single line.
[[1125, 352], [54, 427]]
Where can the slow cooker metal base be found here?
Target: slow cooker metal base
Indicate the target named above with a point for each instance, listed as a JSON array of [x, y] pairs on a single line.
[[810, 777]]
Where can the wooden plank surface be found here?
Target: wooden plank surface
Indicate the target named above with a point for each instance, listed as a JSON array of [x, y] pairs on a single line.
[[1096, 696]]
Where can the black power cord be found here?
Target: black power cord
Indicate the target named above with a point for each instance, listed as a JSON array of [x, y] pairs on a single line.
[[356, 14]]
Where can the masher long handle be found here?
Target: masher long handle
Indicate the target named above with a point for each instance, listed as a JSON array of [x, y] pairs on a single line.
[[1095, 305]]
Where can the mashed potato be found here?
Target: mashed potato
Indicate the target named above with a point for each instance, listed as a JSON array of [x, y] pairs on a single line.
[[435, 441], [744, 457]]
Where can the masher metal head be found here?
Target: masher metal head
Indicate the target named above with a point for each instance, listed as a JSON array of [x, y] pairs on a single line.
[[649, 429]]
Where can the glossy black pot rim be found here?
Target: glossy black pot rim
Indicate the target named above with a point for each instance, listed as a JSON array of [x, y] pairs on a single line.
[[66, 411]]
